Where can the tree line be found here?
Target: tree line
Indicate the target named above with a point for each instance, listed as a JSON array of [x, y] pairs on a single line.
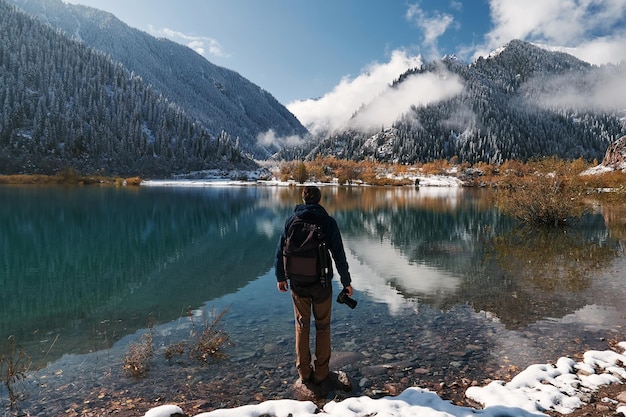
[[64, 104]]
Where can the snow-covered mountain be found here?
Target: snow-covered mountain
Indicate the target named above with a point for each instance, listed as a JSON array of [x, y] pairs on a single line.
[[64, 105], [520, 102], [220, 98]]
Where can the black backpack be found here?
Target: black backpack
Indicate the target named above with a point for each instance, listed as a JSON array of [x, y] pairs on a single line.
[[305, 255]]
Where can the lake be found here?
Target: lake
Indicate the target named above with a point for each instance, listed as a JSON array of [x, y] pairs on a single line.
[[446, 285]]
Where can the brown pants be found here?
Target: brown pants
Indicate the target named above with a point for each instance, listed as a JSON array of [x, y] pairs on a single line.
[[319, 300]]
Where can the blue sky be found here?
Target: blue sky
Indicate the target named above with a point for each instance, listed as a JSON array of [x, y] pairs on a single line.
[[324, 59], [298, 49]]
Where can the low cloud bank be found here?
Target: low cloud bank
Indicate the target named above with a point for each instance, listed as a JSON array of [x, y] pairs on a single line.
[[369, 100], [601, 90], [269, 139]]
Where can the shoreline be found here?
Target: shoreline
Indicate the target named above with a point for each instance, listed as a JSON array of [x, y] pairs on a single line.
[[67, 179]]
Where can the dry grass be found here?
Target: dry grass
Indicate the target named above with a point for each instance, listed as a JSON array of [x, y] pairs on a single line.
[[67, 178], [137, 359], [206, 342], [13, 367], [548, 191]]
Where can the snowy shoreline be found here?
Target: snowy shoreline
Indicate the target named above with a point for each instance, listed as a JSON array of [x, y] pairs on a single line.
[[559, 387], [424, 181]]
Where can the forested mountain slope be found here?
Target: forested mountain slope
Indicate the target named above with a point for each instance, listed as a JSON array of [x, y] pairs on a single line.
[[67, 105], [218, 97], [520, 102]]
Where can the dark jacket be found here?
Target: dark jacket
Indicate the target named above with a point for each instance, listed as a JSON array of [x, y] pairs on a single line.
[[318, 215]]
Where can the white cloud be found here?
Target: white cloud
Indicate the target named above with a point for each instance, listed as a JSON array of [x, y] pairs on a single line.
[[368, 101], [592, 30], [417, 90], [269, 139], [433, 26], [205, 46], [599, 51], [456, 5], [334, 109], [598, 91]]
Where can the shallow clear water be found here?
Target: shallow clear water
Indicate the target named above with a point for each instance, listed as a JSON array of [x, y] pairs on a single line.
[[439, 274]]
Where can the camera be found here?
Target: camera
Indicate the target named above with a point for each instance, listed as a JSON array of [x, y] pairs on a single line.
[[344, 298]]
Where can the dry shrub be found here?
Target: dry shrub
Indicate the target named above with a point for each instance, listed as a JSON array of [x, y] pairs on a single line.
[[13, 367], [133, 181], [175, 350], [384, 181], [301, 174], [541, 198], [137, 359], [206, 342], [68, 175]]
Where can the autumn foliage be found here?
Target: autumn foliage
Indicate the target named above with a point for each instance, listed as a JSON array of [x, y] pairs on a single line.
[[547, 191]]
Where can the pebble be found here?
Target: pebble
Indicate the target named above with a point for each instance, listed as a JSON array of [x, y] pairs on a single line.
[[270, 348], [473, 348]]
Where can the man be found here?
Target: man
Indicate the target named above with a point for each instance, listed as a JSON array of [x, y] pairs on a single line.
[[316, 297]]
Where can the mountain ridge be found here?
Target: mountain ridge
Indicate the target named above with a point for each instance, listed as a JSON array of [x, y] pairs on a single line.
[[513, 106], [220, 98], [520, 102], [68, 106]]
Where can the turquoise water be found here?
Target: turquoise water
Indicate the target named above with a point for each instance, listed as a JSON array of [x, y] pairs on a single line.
[[82, 269]]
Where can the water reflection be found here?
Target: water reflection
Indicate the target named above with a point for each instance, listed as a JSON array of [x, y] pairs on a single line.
[[89, 264], [424, 244], [450, 247], [82, 267], [534, 273]]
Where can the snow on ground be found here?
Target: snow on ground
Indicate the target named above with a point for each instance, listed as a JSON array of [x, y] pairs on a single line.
[[437, 181], [539, 388], [424, 181], [597, 170]]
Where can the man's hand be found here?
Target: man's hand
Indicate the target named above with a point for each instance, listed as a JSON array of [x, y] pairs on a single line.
[[349, 290], [283, 286]]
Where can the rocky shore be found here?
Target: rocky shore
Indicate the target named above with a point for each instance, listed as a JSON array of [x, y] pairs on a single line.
[[255, 373]]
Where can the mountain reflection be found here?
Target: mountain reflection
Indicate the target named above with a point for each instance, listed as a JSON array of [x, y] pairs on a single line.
[[537, 272], [81, 267], [92, 263], [443, 249]]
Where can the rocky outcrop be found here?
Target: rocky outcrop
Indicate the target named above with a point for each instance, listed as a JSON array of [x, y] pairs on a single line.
[[615, 156]]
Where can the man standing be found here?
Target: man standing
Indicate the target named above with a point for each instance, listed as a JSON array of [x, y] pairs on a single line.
[[315, 297]]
